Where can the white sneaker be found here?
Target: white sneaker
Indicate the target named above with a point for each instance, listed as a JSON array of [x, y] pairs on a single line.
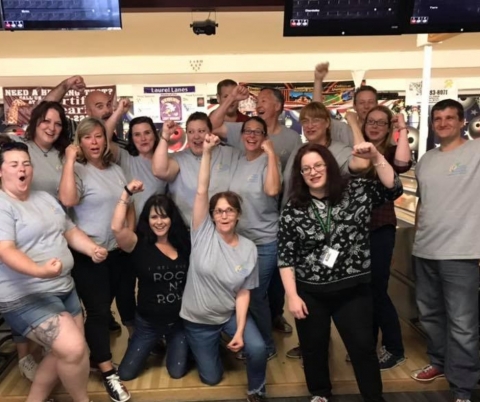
[[115, 388], [28, 367], [318, 399]]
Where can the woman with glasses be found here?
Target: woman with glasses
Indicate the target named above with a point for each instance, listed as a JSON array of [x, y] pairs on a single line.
[[258, 181], [37, 294], [180, 169], [223, 270], [378, 128], [324, 261]]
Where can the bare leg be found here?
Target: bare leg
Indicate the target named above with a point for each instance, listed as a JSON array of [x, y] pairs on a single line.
[[45, 380], [69, 350]]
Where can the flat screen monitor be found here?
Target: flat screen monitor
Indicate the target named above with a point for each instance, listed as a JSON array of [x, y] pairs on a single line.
[[444, 16], [343, 17], [40, 15]]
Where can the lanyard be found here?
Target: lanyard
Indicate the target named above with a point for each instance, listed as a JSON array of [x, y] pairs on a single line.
[[325, 228]]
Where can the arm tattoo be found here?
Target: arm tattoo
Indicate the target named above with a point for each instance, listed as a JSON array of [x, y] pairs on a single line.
[[48, 331]]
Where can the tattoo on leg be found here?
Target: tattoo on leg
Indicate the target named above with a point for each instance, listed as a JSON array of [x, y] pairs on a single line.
[[48, 331]]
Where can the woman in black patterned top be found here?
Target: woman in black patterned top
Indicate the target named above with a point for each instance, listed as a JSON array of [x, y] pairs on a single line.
[[324, 257]]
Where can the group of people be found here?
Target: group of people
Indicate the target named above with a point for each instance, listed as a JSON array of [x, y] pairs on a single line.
[[216, 236]]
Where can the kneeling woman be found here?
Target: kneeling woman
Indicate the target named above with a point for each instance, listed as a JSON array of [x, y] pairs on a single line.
[[223, 270], [324, 256], [159, 250]]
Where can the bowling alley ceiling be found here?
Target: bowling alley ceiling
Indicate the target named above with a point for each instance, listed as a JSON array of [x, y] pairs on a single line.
[[161, 33]]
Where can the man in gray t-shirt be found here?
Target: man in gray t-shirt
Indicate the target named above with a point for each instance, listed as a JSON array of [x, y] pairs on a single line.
[[446, 252]]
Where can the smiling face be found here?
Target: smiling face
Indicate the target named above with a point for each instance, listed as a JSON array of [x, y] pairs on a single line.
[[377, 126], [93, 144], [16, 173], [268, 107], [159, 222], [196, 131], [253, 135], [314, 171], [225, 217], [48, 129], [315, 129], [143, 138], [98, 105], [446, 124]]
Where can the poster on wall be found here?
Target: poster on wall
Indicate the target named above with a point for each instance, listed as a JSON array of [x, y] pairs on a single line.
[[176, 103], [20, 101], [440, 89]]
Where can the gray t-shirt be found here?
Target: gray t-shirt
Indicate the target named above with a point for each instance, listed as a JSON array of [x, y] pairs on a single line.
[[47, 168], [449, 217], [259, 219], [184, 188], [283, 142], [99, 191], [216, 274], [341, 132], [341, 152], [140, 168], [37, 227]]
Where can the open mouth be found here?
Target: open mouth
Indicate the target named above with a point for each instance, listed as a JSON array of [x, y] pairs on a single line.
[[22, 178], [197, 143]]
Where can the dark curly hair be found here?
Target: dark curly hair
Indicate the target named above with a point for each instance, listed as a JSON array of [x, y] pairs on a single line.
[[299, 193]]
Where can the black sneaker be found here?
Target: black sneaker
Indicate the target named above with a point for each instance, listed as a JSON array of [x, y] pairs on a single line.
[[115, 388], [388, 361], [295, 353], [280, 324], [256, 398], [113, 325]]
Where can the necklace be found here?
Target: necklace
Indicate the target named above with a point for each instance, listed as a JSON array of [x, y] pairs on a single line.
[[45, 153]]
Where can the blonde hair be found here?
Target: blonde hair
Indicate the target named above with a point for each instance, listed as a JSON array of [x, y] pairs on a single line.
[[317, 110], [86, 126]]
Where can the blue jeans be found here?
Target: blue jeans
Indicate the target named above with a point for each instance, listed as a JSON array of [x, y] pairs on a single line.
[[145, 336], [259, 306], [447, 299], [204, 341]]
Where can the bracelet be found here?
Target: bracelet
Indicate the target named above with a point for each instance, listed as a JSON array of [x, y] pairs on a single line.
[[128, 191], [120, 201], [163, 138], [381, 163], [403, 128]]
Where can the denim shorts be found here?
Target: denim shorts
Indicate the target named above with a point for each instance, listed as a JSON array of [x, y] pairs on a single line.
[[30, 316]]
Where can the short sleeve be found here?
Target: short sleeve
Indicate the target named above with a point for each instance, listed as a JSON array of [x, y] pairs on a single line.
[[7, 222], [204, 233], [234, 134], [252, 280], [341, 132], [287, 238]]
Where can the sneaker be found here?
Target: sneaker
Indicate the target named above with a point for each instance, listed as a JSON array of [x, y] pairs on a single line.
[[255, 398], [113, 325], [318, 399], [426, 374], [28, 367], [241, 355], [295, 353], [115, 388], [280, 324], [388, 361]]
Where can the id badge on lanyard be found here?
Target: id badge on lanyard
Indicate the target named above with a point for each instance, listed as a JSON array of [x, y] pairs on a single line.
[[329, 255]]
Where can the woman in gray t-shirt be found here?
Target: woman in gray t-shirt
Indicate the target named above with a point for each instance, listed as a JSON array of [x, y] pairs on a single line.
[[37, 294], [223, 270], [136, 159], [258, 181], [91, 186]]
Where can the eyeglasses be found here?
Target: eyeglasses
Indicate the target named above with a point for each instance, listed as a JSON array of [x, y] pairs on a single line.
[[379, 123], [13, 146], [318, 167], [229, 211], [256, 133], [314, 122]]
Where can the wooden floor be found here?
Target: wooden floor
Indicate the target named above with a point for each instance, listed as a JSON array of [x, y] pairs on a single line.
[[284, 376]]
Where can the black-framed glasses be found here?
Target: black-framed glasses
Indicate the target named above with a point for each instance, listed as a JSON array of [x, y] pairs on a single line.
[[318, 167], [256, 133], [14, 146], [379, 123], [229, 211]]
